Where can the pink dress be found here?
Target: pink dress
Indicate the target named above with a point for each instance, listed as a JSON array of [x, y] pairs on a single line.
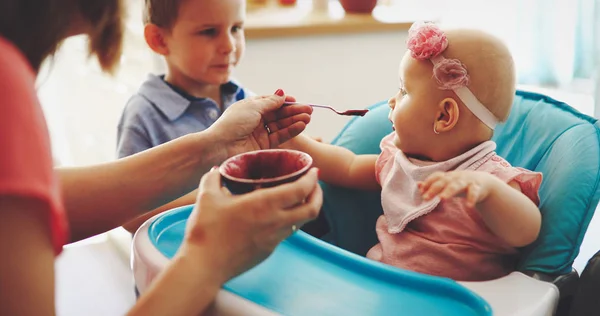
[[442, 238]]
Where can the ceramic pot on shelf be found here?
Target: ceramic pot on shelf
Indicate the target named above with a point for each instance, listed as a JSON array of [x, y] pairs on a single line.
[[287, 2], [358, 6]]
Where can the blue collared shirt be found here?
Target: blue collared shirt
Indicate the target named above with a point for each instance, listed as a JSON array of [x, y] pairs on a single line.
[[159, 113]]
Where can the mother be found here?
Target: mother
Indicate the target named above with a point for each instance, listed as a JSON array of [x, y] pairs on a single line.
[[226, 234]]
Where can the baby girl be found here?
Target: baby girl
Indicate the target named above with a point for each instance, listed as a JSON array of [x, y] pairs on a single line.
[[452, 207]]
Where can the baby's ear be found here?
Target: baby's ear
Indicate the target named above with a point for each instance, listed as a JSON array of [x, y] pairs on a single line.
[[155, 38], [447, 115]]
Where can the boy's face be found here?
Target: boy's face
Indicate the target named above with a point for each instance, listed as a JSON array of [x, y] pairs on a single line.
[[207, 40], [413, 107]]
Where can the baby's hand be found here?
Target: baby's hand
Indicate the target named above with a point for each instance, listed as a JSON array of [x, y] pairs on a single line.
[[476, 185]]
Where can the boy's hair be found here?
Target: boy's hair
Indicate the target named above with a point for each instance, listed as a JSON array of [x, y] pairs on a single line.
[[162, 13]]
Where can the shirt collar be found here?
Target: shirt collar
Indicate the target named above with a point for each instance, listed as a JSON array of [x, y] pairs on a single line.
[[230, 88], [167, 100], [174, 102]]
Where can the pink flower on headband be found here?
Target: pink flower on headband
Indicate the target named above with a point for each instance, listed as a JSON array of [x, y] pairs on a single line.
[[426, 40], [450, 74]]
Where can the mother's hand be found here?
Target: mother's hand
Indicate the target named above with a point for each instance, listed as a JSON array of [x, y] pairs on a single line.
[[232, 233], [260, 123]]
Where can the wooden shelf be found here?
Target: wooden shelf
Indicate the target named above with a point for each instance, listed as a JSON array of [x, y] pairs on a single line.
[[272, 21]]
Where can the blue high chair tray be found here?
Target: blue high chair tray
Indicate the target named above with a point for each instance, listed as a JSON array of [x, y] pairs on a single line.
[[306, 276]]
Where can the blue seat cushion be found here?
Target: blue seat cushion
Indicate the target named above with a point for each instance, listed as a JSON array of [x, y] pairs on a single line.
[[541, 134]]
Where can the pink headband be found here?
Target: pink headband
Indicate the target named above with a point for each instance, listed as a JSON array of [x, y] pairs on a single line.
[[426, 41]]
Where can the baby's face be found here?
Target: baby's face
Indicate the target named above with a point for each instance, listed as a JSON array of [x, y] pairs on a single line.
[[412, 109], [207, 40]]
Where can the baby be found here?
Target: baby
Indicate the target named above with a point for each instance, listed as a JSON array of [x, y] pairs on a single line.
[[452, 207]]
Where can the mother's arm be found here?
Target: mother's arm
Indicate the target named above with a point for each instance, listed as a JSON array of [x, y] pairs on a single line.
[[27, 265], [106, 196], [226, 235]]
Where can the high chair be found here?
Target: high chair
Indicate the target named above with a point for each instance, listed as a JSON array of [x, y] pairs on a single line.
[[309, 276]]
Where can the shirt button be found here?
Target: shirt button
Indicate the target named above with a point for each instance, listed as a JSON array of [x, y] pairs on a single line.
[[213, 114]]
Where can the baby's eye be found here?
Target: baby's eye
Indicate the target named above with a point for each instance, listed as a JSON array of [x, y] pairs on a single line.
[[402, 91], [236, 28]]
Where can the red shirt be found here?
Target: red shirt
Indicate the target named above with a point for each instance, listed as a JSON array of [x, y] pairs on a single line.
[[26, 168]]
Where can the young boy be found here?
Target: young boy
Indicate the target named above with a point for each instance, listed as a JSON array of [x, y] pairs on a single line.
[[201, 41]]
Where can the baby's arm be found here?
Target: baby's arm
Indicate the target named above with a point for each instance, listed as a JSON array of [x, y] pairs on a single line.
[[337, 165], [508, 212]]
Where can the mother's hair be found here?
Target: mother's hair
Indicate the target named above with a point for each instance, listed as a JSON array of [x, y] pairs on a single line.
[[37, 27]]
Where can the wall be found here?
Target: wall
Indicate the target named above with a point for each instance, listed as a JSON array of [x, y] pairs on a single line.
[[346, 72]]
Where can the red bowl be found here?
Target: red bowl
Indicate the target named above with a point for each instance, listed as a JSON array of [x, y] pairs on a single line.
[[253, 170]]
